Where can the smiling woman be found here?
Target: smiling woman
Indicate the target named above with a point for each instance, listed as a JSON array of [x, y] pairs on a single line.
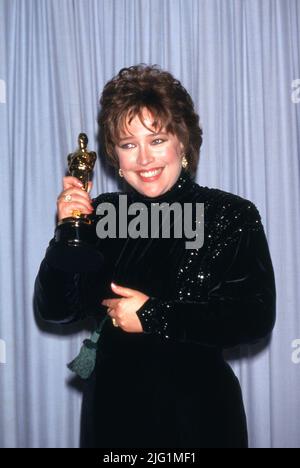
[[150, 162], [164, 311], [146, 102]]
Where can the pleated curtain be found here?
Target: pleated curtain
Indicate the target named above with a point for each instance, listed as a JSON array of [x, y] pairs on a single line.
[[240, 61]]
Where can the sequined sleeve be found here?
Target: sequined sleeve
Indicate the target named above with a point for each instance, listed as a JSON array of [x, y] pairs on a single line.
[[239, 307]]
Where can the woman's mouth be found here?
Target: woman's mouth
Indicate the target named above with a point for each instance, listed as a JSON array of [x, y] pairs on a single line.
[[150, 175]]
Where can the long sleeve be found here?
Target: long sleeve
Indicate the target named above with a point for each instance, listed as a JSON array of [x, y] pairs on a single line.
[[63, 296], [240, 305]]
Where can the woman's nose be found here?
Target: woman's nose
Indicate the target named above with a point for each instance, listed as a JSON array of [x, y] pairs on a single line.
[[144, 156]]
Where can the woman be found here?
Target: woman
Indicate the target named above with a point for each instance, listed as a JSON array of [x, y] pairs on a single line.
[[160, 379]]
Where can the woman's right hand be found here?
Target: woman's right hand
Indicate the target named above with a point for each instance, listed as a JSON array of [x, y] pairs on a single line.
[[80, 199]]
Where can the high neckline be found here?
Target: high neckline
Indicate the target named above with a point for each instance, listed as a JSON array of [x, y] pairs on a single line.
[[175, 193]]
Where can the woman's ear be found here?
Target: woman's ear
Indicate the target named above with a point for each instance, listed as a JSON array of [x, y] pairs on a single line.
[[182, 148]]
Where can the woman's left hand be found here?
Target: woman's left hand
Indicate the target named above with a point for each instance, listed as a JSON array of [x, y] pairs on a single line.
[[123, 310]]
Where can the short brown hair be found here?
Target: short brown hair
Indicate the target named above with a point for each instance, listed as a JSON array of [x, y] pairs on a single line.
[[147, 86]]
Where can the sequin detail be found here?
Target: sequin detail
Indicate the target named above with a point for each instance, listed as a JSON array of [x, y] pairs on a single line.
[[226, 217]]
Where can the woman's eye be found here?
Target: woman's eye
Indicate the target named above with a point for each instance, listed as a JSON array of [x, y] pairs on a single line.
[[157, 141], [127, 146]]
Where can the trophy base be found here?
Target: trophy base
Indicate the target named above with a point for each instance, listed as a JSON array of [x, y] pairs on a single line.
[[74, 247]]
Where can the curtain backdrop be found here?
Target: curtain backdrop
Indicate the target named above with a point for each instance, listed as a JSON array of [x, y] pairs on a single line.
[[240, 61]]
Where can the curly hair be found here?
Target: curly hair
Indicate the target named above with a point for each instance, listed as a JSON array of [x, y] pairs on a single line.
[[147, 86]]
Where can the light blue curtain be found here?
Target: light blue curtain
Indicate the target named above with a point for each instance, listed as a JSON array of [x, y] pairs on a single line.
[[240, 60]]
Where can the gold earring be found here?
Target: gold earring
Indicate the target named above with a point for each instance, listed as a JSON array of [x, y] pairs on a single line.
[[184, 162], [121, 173]]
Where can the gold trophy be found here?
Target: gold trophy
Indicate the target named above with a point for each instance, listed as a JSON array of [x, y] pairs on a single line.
[[74, 246]]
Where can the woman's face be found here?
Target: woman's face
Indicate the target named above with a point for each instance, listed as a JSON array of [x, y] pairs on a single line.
[[151, 162]]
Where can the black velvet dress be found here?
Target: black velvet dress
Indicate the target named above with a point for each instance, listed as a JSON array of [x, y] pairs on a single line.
[[170, 386]]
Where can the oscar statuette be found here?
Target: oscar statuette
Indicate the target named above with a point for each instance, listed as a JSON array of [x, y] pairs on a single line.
[[74, 244]]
